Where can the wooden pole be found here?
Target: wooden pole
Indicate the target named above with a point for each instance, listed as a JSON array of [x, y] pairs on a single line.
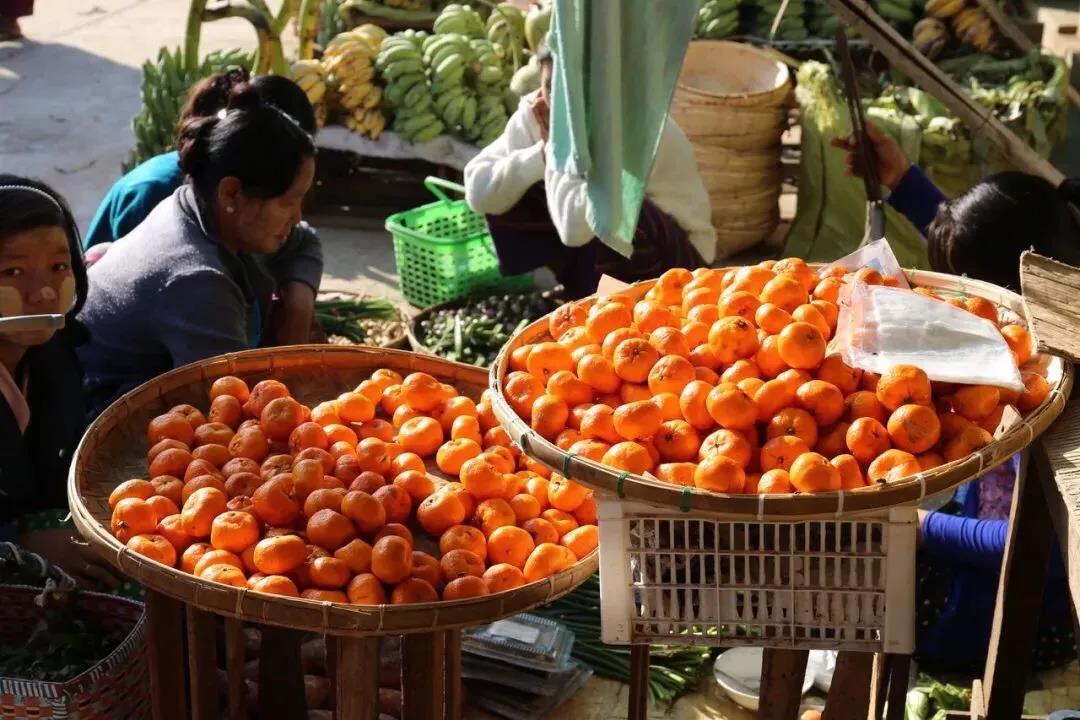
[[981, 122]]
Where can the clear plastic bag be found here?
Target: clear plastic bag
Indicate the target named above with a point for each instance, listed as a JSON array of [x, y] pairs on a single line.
[[877, 255], [881, 327]]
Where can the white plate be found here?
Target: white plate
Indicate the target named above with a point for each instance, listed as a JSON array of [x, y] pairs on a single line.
[[743, 666]]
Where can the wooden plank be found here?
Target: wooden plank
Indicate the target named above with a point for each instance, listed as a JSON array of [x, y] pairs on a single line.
[[356, 677], [202, 664], [423, 675], [165, 648], [782, 673], [235, 657], [898, 668], [981, 122], [455, 700], [850, 692], [1020, 592], [638, 702], [281, 677], [1050, 289]]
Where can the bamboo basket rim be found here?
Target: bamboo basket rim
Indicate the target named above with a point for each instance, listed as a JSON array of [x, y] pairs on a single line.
[[793, 506], [781, 89], [297, 613]]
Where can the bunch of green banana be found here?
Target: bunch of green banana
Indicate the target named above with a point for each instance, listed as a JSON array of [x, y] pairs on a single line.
[[461, 19], [821, 21], [930, 36], [717, 19], [165, 83], [408, 4], [506, 28], [399, 10], [447, 57], [489, 123], [975, 28], [944, 9], [792, 26], [898, 13], [401, 66], [348, 62], [311, 78]]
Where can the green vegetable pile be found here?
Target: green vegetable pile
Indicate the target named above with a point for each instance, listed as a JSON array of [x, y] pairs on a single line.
[[674, 671], [476, 330], [930, 699], [360, 321], [60, 646]]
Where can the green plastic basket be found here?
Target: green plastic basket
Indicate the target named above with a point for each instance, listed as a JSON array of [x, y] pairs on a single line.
[[444, 251]]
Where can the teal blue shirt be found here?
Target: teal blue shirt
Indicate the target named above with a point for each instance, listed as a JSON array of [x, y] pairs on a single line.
[[133, 196]]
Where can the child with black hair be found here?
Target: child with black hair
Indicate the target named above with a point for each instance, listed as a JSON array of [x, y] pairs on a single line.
[[41, 409], [195, 278], [980, 234]]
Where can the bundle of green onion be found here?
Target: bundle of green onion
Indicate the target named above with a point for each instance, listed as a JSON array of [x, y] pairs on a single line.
[[673, 672], [363, 321]]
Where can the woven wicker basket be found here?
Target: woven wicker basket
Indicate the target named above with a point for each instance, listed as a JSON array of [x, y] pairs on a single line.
[[114, 449], [791, 506], [116, 687]]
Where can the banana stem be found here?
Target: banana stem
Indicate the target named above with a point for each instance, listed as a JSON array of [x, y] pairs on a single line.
[[286, 12], [308, 28], [268, 56], [193, 34], [516, 41]]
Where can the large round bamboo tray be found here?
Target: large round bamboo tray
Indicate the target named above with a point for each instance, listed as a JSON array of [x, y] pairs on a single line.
[[791, 506], [114, 450]]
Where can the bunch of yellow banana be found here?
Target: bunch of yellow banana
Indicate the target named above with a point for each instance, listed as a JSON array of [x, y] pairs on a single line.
[[349, 64], [944, 9], [975, 28], [311, 78], [930, 36]]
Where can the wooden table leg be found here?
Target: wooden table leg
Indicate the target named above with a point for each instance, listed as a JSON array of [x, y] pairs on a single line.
[[423, 676], [355, 665], [897, 668], [782, 673], [165, 648], [850, 692], [1020, 592], [202, 664], [281, 677], [454, 691], [638, 703], [235, 657]]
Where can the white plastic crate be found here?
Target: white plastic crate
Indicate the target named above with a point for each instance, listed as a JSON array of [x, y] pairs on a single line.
[[675, 578]]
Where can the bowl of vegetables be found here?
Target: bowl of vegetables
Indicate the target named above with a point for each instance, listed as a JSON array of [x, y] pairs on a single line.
[[472, 330], [351, 319]]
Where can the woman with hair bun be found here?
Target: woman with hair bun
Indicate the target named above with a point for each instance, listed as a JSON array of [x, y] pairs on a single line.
[[196, 277]]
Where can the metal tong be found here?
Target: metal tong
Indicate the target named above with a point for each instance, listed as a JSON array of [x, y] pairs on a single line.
[[864, 153]]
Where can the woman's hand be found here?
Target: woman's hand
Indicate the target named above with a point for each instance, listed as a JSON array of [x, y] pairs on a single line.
[[891, 161], [542, 114], [66, 550], [291, 322]]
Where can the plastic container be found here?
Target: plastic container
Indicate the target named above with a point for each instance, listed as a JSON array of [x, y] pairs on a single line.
[[524, 640], [676, 578], [443, 251]]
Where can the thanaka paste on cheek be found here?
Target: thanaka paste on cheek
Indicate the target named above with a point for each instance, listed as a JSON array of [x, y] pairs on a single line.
[[67, 294]]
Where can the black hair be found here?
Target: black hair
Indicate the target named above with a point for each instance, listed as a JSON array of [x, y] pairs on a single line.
[[211, 95], [982, 232], [286, 96], [253, 141], [26, 204]]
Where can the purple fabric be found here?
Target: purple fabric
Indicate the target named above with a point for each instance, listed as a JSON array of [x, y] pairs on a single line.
[[917, 198], [525, 239]]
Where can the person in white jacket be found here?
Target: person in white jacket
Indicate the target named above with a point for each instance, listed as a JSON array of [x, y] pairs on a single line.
[[538, 216]]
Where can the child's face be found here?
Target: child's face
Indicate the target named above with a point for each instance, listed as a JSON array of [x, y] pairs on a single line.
[[35, 279]]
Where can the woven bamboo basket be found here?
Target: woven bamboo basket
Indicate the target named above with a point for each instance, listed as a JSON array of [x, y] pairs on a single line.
[[114, 449], [732, 102], [791, 506]]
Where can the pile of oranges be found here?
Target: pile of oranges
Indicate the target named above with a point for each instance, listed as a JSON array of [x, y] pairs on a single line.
[[265, 493], [723, 380]]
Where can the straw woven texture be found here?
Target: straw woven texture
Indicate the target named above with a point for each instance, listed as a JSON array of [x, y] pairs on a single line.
[[114, 450], [790, 506]]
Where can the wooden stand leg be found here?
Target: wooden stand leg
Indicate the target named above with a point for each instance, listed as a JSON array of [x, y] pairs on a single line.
[[202, 664], [355, 666], [165, 648], [454, 694], [423, 676], [281, 677], [850, 692], [1020, 593], [235, 657], [638, 704], [782, 673], [897, 668]]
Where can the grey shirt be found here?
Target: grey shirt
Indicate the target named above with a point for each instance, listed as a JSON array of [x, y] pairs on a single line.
[[168, 294]]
